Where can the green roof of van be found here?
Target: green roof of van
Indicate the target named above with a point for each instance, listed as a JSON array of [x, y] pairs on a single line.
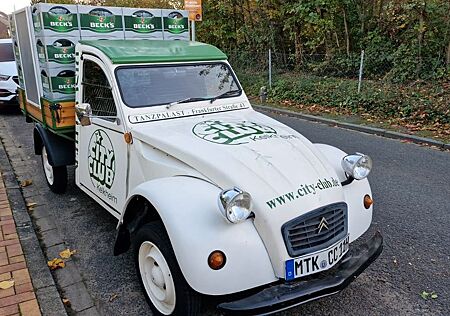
[[155, 51]]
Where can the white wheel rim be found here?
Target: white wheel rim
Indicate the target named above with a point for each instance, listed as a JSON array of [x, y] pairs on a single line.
[[157, 278], [48, 169]]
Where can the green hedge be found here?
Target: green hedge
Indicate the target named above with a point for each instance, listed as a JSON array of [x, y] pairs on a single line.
[[420, 103]]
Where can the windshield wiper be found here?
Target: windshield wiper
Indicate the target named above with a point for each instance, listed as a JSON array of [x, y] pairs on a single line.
[[168, 106], [231, 92]]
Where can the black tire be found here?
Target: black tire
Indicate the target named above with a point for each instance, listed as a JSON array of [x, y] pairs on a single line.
[[59, 182], [188, 302]]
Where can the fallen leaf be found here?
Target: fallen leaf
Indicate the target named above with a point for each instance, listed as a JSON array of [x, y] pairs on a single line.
[[56, 263], [26, 183], [31, 205], [4, 285], [66, 301], [66, 254], [113, 297], [427, 295]]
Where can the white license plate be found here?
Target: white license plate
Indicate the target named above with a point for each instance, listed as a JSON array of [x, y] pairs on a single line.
[[318, 261]]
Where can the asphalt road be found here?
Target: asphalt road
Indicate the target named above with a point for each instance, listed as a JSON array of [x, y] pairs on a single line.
[[411, 187]]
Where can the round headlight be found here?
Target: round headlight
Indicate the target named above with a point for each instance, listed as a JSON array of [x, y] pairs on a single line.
[[358, 165], [235, 205]]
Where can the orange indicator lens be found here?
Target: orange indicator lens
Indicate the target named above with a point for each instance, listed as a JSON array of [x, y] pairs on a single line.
[[216, 260], [367, 201]]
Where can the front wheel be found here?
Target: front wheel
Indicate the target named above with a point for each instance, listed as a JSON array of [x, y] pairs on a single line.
[[56, 176], [167, 292]]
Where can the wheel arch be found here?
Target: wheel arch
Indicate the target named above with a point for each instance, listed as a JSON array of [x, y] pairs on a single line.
[[60, 151], [188, 209], [137, 212]]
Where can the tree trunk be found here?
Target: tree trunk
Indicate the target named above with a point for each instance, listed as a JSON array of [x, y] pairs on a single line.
[[448, 55], [347, 36], [420, 38], [298, 48]]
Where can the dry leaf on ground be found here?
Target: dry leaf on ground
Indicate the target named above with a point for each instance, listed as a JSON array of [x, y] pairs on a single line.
[[56, 263], [113, 297], [4, 285], [66, 254], [26, 183], [31, 205], [66, 301]]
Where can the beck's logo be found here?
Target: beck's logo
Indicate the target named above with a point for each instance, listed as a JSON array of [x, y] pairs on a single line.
[[322, 225], [101, 160]]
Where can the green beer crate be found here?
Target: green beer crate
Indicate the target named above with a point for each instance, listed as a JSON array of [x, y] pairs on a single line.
[[56, 52], [143, 23], [55, 20], [105, 22], [12, 25], [58, 83], [16, 49], [175, 24]]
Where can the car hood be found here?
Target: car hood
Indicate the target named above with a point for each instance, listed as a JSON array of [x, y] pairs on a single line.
[[284, 172], [8, 68]]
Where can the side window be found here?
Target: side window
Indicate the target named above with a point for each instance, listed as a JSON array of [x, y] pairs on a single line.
[[97, 90]]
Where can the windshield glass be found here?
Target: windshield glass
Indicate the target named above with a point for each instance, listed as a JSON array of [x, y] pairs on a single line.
[[6, 52], [165, 84]]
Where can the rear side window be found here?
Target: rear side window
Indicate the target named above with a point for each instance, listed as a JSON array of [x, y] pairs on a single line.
[[6, 52]]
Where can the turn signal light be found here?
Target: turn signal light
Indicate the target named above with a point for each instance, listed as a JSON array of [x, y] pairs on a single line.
[[367, 201], [128, 138], [216, 260]]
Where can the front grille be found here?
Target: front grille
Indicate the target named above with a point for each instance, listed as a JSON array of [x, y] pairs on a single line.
[[15, 79], [303, 235]]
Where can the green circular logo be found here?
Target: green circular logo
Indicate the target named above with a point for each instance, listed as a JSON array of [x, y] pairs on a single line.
[[229, 132]]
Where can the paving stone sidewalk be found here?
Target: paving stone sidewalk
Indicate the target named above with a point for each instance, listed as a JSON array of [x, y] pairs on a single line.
[[20, 299]]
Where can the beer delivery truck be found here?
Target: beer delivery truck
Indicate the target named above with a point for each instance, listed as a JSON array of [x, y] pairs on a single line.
[[213, 197]]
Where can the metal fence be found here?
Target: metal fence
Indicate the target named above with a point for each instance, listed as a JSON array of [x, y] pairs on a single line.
[[363, 65]]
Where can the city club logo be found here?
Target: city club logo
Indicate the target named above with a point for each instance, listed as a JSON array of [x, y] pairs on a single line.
[[101, 160], [232, 133]]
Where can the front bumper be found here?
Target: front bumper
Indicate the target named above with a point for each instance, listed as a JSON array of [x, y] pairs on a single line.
[[283, 296]]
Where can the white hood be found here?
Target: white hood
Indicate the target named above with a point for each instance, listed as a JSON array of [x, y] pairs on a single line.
[[256, 154]]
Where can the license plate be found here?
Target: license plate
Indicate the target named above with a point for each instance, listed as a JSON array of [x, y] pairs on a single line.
[[316, 262]]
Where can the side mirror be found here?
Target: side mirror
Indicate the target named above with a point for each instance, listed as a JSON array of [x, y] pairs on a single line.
[[84, 112]]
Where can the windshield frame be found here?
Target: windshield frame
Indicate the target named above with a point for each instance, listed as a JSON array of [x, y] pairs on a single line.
[[175, 65]]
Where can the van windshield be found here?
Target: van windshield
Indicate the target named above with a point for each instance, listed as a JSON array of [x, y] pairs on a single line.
[[144, 86], [6, 52]]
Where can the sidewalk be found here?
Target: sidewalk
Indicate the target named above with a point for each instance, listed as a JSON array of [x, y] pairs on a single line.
[[19, 299]]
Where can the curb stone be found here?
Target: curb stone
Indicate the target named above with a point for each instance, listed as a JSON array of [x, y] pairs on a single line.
[[41, 277], [356, 127]]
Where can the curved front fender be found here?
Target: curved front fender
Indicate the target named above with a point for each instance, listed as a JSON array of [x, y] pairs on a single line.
[[189, 210]]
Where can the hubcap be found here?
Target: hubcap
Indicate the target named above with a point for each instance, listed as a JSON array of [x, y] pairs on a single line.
[[48, 169], [157, 278]]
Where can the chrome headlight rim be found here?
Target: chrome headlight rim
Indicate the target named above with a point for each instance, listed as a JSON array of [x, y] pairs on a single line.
[[351, 163], [227, 204]]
